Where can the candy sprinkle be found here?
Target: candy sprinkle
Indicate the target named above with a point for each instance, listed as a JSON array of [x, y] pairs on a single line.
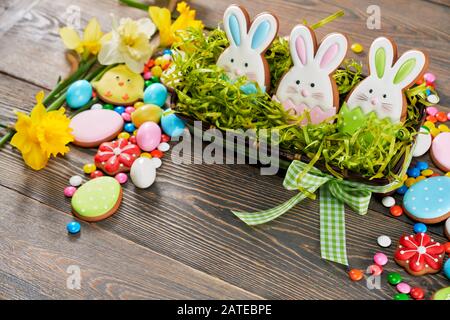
[[357, 48]]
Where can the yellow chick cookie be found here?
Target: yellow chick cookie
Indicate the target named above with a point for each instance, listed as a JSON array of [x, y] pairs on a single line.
[[120, 86]]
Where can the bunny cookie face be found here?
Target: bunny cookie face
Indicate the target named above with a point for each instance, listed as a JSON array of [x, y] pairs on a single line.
[[245, 55], [308, 84], [382, 91]]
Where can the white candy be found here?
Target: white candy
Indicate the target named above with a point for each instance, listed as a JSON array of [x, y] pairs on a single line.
[[167, 57], [156, 162], [432, 98], [423, 143], [96, 106], [388, 201], [75, 181], [164, 147], [384, 241], [143, 172]]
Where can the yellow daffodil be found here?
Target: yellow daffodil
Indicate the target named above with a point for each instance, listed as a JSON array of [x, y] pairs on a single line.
[[128, 43], [167, 30], [42, 134], [90, 44]]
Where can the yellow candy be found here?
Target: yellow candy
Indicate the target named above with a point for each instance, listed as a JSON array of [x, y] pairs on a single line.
[[427, 172], [443, 128], [357, 48], [123, 135], [138, 104], [434, 132], [156, 71], [410, 181], [159, 61], [146, 155], [148, 112], [135, 132], [420, 178], [430, 125], [89, 167], [447, 174], [404, 177]]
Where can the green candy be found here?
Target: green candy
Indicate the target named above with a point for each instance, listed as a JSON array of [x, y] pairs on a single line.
[[401, 296], [394, 278], [108, 106], [148, 82], [154, 79], [96, 198]]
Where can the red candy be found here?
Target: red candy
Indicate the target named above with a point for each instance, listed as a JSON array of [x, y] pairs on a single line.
[[157, 154], [447, 247], [165, 138], [132, 139], [417, 293], [355, 274], [431, 119], [441, 116], [96, 174], [396, 210]]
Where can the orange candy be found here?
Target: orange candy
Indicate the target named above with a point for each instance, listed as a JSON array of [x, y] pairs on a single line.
[[447, 247], [355, 274], [441, 116], [431, 118], [396, 211]]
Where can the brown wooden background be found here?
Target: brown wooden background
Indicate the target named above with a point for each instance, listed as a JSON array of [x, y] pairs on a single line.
[[178, 239]]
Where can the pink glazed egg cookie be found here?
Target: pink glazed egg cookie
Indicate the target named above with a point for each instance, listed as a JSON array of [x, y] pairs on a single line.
[[92, 127], [440, 151]]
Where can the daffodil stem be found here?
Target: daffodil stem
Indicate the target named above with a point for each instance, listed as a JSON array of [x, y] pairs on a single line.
[[7, 137], [135, 4]]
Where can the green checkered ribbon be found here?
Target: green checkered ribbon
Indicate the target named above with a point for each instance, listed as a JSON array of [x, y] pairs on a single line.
[[334, 193]]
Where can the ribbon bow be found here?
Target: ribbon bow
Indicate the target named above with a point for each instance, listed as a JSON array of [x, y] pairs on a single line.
[[334, 193]]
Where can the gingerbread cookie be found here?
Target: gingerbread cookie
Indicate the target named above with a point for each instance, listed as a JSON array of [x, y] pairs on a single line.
[[419, 254], [92, 127], [120, 86], [427, 201], [382, 91], [308, 85], [97, 199], [116, 156], [248, 42], [440, 151]]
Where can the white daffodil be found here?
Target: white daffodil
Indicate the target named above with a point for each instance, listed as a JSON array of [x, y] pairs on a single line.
[[128, 43]]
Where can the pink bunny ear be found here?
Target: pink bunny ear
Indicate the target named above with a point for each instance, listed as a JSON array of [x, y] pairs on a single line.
[[331, 52], [302, 45]]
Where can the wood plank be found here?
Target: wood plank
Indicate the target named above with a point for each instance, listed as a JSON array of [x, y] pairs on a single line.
[[36, 252]]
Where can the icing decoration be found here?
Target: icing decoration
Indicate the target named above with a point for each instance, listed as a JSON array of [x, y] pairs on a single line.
[[422, 143], [92, 127], [382, 90], [308, 84], [419, 254], [442, 294], [116, 156], [447, 228], [97, 199], [427, 200], [248, 42], [440, 151], [120, 86]]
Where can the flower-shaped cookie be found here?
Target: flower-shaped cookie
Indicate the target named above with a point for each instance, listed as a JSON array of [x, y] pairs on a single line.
[[116, 156], [419, 254]]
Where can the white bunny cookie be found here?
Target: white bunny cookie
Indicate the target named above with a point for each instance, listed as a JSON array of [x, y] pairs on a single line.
[[245, 55], [308, 85], [382, 91]]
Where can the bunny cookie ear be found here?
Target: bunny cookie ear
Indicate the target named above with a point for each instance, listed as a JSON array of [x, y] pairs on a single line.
[[408, 68], [262, 32], [303, 45], [332, 51], [381, 56], [236, 21]]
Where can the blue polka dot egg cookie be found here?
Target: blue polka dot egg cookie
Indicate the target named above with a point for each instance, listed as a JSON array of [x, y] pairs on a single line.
[[427, 201]]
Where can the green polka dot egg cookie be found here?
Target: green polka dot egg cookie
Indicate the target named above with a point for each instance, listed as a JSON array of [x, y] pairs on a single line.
[[97, 199]]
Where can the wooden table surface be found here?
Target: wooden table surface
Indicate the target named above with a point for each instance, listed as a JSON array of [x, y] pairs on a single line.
[[178, 239]]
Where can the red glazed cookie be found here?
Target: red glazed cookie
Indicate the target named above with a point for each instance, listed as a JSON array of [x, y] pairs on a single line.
[[419, 254], [116, 156]]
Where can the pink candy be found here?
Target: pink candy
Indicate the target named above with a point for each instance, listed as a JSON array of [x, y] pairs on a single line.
[[403, 287], [126, 117], [380, 259], [448, 116], [429, 77], [121, 177], [375, 269], [69, 191], [129, 110], [432, 111], [147, 75]]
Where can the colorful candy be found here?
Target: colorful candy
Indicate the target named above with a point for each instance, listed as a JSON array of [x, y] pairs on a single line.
[[121, 177], [75, 181], [355, 274], [384, 241], [375, 269], [403, 287], [96, 174], [157, 153], [420, 227], [394, 278], [73, 227], [69, 191], [380, 259], [89, 167], [396, 210], [164, 147], [357, 48], [417, 293]]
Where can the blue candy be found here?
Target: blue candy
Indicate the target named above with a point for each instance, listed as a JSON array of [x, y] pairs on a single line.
[[167, 51], [129, 127], [78, 94], [73, 227], [156, 93], [447, 269], [402, 189], [420, 228], [422, 165], [428, 92], [413, 172], [171, 124], [119, 109]]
